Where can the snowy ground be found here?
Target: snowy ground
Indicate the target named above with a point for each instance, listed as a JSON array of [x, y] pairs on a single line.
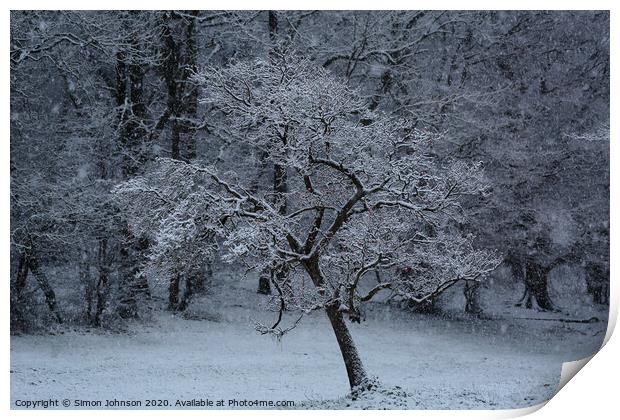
[[436, 362]]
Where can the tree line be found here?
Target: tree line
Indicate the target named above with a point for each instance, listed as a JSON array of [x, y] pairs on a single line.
[[421, 147]]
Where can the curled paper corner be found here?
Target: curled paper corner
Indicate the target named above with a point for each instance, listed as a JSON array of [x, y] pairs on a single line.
[[570, 369], [611, 321]]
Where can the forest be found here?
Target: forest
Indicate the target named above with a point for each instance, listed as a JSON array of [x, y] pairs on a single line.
[[272, 174]]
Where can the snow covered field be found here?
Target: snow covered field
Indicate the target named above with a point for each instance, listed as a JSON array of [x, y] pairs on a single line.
[[438, 363]]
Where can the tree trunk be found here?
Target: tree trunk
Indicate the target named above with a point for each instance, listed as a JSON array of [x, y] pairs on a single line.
[[273, 27], [178, 66], [472, 298], [280, 185], [50, 296], [534, 277], [350, 356], [18, 285], [536, 287], [597, 281], [264, 282], [132, 115], [171, 75], [133, 285], [204, 277], [87, 281], [353, 363], [191, 97], [173, 292], [102, 284], [280, 188], [188, 291]]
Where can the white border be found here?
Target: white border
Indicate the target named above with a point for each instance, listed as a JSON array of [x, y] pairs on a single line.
[[592, 395]]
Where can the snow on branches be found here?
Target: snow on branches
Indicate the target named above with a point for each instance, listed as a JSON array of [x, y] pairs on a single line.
[[364, 193]]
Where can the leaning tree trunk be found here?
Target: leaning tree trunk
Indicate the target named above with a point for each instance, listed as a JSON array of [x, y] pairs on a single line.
[[50, 296], [535, 279], [536, 287], [352, 361]]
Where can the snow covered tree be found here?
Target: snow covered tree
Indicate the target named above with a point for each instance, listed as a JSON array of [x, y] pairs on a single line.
[[358, 183]]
